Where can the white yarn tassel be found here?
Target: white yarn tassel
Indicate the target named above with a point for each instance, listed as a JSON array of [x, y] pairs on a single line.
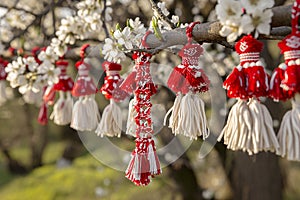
[[62, 110], [265, 137], [3, 96], [174, 122], [289, 132], [85, 115], [232, 130], [188, 117], [131, 126], [154, 169], [111, 122], [249, 128]]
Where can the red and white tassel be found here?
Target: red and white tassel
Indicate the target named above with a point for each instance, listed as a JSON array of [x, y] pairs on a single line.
[[187, 116], [289, 132], [144, 163], [62, 110], [85, 114], [111, 121], [249, 125]]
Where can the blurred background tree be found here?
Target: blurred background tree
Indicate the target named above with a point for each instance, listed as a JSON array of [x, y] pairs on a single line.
[[50, 162]]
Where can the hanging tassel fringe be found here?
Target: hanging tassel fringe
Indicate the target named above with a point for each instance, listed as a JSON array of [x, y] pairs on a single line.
[[289, 132], [85, 115], [62, 110], [144, 163], [188, 117], [276, 92], [111, 122], [174, 117], [43, 114], [249, 128], [131, 126]]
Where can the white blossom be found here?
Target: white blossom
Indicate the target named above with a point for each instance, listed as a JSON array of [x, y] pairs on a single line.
[[88, 7], [230, 30], [137, 26], [138, 31], [18, 19], [175, 19], [108, 12], [258, 21], [162, 6], [15, 73], [228, 10], [48, 55], [31, 63], [71, 29], [252, 5], [93, 22], [111, 51], [50, 74], [124, 37], [59, 48]]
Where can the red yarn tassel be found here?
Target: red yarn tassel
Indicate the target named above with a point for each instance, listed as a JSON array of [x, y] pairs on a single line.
[[197, 80], [43, 114], [235, 84], [291, 79], [257, 81], [276, 92], [129, 84], [49, 95], [177, 81]]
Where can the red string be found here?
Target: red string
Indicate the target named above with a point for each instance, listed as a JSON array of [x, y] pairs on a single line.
[[295, 17], [83, 50], [189, 31]]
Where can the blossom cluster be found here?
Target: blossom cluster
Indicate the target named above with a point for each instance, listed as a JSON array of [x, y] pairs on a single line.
[[244, 17], [124, 40], [87, 20], [130, 37], [29, 75]]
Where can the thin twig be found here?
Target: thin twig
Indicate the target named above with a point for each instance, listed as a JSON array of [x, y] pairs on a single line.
[[15, 8], [53, 17], [33, 22], [104, 25], [161, 15], [8, 8]]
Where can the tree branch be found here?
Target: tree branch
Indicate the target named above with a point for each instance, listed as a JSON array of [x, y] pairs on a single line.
[[15, 8], [206, 32], [209, 32], [35, 21]]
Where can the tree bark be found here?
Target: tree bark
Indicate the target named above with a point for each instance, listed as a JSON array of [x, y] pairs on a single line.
[[180, 171], [37, 138], [13, 165], [256, 177]]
